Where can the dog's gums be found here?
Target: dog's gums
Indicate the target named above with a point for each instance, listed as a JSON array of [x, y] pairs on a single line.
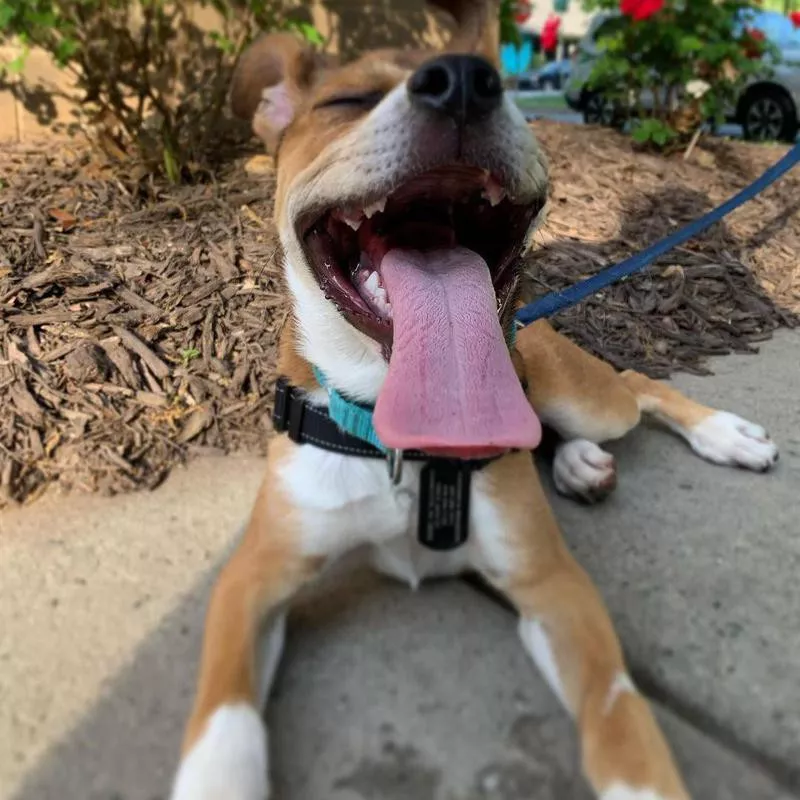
[[452, 206]]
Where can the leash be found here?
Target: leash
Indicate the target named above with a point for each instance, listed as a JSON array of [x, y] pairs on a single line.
[[558, 301]]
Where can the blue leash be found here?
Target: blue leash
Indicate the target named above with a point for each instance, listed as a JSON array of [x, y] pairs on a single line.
[[557, 301]]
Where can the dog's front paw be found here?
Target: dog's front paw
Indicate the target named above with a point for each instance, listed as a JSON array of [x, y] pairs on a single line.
[[228, 761], [727, 439], [582, 469]]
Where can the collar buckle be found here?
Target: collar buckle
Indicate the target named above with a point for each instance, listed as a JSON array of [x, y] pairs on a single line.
[[394, 462]]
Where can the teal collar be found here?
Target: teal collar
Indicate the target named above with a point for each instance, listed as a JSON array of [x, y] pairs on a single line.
[[355, 418], [351, 417]]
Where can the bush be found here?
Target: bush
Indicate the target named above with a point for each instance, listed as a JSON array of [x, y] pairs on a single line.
[[673, 65], [148, 81]]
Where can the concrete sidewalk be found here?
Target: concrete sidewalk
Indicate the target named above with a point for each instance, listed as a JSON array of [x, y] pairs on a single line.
[[391, 695]]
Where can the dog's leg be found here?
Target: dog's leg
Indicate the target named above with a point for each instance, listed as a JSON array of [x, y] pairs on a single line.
[[225, 744], [587, 402], [565, 628], [584, 400], [717, 436]]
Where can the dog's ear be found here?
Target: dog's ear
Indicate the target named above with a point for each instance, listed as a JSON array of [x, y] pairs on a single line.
[[270, 80], [477, 27]]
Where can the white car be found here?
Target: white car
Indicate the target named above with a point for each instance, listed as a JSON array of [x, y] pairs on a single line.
[[768, 108]]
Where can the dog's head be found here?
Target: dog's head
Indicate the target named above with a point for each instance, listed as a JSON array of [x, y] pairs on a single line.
[[407, 187]]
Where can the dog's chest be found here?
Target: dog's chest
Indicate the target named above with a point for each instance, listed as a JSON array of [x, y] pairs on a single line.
[[347, 492], [344, 502]]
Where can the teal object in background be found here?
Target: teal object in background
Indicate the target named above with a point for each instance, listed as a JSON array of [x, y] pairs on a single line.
[[516, 59], [560, 6]]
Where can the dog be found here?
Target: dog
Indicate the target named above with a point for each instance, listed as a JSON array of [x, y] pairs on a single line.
[[408, 185]]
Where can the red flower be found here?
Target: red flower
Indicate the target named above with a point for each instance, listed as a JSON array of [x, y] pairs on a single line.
[[795, 18], [640, 9], [754, 42], [550, 33]]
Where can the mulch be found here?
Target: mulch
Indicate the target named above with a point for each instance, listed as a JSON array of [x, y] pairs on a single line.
[[138, 321]]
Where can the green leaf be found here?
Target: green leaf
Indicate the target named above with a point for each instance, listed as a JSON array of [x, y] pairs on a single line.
[[171, 166], [64, 51], [689, 44], [16, 65], [7, 14], [310, 33], [223, 42]]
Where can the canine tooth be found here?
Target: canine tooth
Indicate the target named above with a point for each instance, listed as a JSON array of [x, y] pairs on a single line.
[[493, 192], [351, 218], [352, 221], [374, 208]]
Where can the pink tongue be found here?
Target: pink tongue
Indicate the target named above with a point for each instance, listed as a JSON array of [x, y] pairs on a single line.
[[451, 387]]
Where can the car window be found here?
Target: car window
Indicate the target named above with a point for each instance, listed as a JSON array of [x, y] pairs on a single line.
[[778, 29]]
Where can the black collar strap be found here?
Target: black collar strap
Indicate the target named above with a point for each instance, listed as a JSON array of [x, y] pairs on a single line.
[[309, 424]]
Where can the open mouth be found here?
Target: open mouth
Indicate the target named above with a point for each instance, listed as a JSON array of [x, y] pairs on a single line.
[[445, 208]]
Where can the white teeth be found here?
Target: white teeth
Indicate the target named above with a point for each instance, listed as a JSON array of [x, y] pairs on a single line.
[[374, 208], [375, 295], [493, 192], [352, 218]]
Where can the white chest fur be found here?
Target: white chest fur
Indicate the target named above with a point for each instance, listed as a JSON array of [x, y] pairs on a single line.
[[346, 501]]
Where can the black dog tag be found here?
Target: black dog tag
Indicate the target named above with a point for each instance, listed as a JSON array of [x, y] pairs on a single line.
[[444, 504]]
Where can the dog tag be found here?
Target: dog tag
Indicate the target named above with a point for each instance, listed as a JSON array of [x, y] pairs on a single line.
[[444, 504]]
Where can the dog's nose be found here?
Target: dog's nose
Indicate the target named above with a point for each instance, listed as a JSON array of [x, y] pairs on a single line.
[[463, 87]]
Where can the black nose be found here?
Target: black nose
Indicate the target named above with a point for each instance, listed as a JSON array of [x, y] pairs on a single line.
[[466, 88]]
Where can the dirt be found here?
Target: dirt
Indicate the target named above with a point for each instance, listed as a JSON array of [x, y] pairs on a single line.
[[138, 321]]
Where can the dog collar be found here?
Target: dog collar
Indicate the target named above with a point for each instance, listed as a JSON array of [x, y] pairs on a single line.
[[356, 419], [309, 424], [443, 522]]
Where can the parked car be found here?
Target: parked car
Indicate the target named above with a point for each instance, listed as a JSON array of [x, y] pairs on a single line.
[[767, 109], [553, 76]]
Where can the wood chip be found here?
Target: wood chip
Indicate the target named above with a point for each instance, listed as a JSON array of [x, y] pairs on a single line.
[[195, 424], [136, 345]]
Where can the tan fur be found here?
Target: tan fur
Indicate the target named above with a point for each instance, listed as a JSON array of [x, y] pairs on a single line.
[[266, 570], [549, 586], [272, 58], [287, 543], [559, 374], [603, 404]]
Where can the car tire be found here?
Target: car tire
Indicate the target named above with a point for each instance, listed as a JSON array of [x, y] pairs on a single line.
[[599, 110], [768, 115]]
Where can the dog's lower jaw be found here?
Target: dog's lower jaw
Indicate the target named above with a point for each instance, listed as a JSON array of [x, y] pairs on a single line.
[[350, 360]]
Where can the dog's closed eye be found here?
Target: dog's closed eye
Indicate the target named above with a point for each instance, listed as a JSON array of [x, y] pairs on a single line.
[[357, 100]]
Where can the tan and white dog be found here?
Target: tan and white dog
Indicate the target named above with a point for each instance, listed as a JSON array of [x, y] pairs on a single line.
[[408, 185]]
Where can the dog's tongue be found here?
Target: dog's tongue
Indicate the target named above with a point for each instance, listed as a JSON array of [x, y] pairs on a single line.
[[451, 388]]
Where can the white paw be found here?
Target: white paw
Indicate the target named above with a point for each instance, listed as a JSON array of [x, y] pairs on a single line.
[[229, 761], [621, 791], [583, 469], [727, 439]]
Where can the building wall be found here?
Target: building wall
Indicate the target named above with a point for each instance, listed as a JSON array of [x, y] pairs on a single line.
[[31, 106]]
